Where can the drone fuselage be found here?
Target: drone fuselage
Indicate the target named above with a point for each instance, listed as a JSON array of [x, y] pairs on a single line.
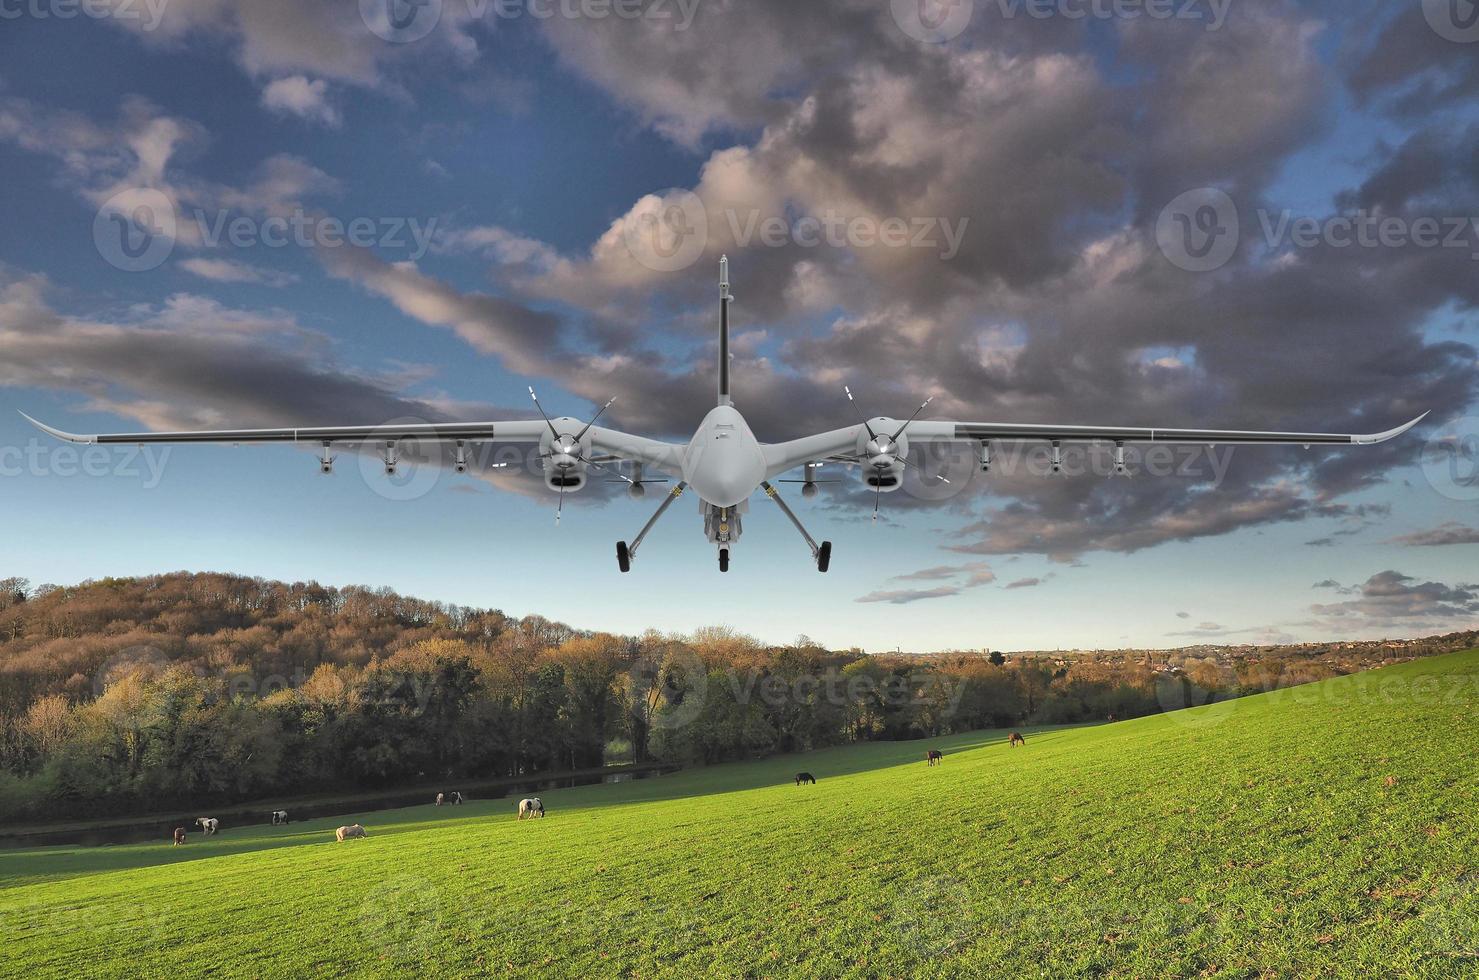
[[723, 462]]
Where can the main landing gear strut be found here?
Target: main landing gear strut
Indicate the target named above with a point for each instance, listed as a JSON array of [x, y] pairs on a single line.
[[625, 552], [821, 554]]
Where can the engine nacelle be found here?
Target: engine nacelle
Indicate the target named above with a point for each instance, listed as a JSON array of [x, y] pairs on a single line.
[[564, 459], [882, 462]]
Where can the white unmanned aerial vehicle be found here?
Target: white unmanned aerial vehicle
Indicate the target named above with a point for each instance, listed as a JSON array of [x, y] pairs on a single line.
[[724, 463]]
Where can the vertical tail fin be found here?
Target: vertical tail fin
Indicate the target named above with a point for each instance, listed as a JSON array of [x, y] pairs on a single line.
[[724, 300]]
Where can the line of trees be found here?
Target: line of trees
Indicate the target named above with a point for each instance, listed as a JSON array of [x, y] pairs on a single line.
[[140, 694]]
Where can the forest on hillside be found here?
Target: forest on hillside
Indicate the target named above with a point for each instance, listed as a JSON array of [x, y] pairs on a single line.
[[133, 695]]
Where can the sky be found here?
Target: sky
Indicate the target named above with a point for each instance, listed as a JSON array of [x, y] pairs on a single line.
[[1209, 214]]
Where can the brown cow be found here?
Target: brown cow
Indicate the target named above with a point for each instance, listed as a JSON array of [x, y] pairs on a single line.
[[353, 830], [934, 757], [179, 836], [1016, 739]]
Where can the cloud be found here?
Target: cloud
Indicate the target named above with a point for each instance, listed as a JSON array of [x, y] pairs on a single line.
[[1391, 598], [299, 96], [1183, 615], [230, 270], [900, 597], [969, 575], [191, 363], [1445, 534], [1058, 306], [1024, 583]]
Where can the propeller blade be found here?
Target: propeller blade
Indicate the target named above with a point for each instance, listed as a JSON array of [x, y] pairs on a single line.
[[877, 499], [541, 412], [908, 465], [913, 417], [864, 418], [560, 507], [592, 422], [616, 473]]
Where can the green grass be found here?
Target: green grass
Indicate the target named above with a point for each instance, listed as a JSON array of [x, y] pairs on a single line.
[[1321, 831]]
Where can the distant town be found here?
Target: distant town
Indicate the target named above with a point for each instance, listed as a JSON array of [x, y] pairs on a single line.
[[1343, 657]]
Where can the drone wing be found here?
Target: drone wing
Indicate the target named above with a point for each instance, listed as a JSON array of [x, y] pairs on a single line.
[[608, 443], [849, 442]]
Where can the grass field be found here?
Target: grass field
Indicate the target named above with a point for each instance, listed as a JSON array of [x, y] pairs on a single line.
[[1331, 830]]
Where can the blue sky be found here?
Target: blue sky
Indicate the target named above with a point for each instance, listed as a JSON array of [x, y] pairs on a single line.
[[528, 148]]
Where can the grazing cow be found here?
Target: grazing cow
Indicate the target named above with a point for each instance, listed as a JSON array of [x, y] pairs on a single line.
[[456, 798], [179, 836], [353, 830], [532, 807], [279, 817], [208, 825], [440, 798], [805, 777], [934, 757], [1016, 739]]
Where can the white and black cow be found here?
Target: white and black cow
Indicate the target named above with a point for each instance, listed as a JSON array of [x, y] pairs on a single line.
[[209, 825], [279, 817], [531, 807]]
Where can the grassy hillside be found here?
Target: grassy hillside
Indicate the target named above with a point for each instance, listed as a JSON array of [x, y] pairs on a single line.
[[1330, 830]]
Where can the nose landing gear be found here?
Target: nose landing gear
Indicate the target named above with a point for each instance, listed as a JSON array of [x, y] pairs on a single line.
[[723, 559]]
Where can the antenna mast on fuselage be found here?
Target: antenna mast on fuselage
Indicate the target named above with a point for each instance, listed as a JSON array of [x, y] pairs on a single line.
[[724, 300]]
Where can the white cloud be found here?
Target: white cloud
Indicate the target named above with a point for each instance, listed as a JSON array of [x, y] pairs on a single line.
[[230, 270], [302, 97]]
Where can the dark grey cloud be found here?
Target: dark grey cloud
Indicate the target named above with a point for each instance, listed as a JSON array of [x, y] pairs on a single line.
[[1390, 597], [1405, 66], [1058, 306], [900, 597], [1445, 534]]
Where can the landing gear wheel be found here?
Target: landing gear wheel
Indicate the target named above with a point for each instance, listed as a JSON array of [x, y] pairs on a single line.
[[824, 556], [623, 556], [723, 559]]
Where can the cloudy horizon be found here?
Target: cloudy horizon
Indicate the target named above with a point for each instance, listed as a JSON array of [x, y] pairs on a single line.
[[1245, 215]]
